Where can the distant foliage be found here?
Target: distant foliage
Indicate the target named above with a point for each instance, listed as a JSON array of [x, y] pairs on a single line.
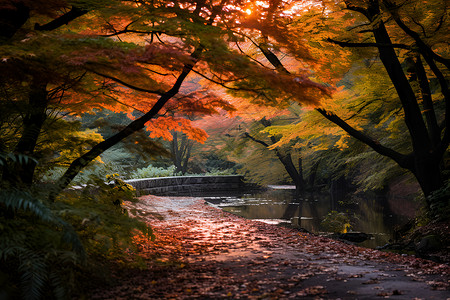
[[219, 172], [151, 172], [336, 222], [93, 170]]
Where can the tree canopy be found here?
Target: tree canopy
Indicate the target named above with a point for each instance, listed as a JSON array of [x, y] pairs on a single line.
[[341, 82]]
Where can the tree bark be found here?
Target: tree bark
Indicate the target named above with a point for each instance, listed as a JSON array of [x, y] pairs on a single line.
[[429, 112], [181, 152], [71, 15], [426, 164], [22, 173]]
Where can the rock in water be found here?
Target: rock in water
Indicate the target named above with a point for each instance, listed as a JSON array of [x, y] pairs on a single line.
[[356, 237]]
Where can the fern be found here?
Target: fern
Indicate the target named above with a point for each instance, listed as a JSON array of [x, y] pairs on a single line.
[[22, 200], [59, 291], [34, 275], [32, 245], [15, 158], [42, 244]]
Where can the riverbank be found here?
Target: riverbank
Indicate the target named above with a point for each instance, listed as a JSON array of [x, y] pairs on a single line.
[[203, 252]]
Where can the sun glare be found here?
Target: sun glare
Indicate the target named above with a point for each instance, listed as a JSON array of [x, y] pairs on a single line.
[[248, 11]]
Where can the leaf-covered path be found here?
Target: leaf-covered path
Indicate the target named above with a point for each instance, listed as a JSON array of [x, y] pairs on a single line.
[[201, 252]]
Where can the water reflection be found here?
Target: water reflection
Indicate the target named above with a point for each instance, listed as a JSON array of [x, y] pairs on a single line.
[[281, 206]]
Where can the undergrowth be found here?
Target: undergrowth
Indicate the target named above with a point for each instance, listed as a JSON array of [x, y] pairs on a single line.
[[47, 248]]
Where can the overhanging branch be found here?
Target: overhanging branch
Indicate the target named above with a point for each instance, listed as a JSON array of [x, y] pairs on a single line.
[[128, 85], [74, 13], [401, 159], [77, 165], [367, 45]]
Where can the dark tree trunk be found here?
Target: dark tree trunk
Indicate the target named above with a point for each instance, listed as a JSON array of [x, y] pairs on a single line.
[[286, 160], [17, 173], [12, 18], [428, 147], [428, 173], [428, 107], [181, 152], [426, 165], [176, 158], [187, 155], [313, 174]]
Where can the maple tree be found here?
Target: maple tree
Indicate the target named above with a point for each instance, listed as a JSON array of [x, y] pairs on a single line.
[[106, 51]]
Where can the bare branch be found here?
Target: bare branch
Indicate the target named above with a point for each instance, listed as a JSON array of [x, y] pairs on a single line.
[[366, 45], [74, 13], [129, 85]]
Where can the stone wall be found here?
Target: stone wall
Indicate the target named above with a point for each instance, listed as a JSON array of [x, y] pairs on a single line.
[[189, 185]]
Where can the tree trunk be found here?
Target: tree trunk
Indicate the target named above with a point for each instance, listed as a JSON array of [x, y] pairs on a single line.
[[12, 17], [187, 154], [313, 174], [428, 107], [286, 160], [17, 173], [428, 174], [176, 156], [426, 165], [181, 152]]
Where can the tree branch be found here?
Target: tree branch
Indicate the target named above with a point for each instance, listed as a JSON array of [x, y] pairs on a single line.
[[424, 48], [256, 140], [77, 165], [401, 159], [129, 85], [365, 45], [74, 13]]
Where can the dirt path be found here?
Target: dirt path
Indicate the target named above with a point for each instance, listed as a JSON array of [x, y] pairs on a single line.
[[203, 253]]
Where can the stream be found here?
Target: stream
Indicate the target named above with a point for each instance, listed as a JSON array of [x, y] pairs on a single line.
[[278, 205]]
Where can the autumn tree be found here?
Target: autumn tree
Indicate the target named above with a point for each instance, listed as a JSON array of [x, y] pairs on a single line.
[[112, 69], [283, 154], [409, 41]]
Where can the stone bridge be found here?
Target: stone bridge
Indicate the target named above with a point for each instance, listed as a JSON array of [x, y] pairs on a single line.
[[190, 185]]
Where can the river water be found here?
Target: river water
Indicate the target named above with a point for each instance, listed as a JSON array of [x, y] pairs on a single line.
[[278, 205]]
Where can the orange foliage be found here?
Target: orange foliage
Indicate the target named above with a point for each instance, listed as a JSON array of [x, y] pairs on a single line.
[[161, 127]]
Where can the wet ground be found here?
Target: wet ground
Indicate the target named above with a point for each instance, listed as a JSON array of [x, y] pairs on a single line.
[[201, 252]]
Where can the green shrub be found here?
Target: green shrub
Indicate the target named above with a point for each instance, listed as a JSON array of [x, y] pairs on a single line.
[[98, 215], [218, 172], [336, 222], [151, 172]]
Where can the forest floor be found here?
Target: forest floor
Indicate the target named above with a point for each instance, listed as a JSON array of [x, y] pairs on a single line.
[[201, 252]]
